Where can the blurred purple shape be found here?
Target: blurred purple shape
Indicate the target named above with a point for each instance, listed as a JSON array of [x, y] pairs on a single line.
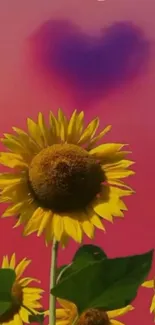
[[91, 65]]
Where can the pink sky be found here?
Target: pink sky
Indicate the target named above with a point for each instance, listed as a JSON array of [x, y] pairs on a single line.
[[130, 109]]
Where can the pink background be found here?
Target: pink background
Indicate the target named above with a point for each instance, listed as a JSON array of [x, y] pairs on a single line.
[[130, 109]]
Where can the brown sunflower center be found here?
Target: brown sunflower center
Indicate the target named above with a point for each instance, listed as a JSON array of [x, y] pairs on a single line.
[[93, 317], [17, 292], [64, 177], [17, 296]]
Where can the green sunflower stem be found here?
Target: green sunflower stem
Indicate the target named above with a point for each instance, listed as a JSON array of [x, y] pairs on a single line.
[[52, 300]]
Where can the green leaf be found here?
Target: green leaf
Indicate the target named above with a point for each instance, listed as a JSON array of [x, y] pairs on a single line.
[[4, 306], [59, 270], [107, 283], [84, 255], [39, 318], [7, 278], [88, 253]]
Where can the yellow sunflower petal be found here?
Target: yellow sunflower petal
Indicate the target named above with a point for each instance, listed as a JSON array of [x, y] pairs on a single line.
[[54, 127], [152, 307], [89, 131], [149, 284], [20, 268], [35, 133], [94, 140], [8, 190], [64, 240], [27, 142], [116, 322], [72, 228], [58, 226], [5, 262], [95, 219], [13, 261], [122, 164], [17, 192], [10, 179], [104, 211], [109, 203], [75, 127], [63, 124], [14, 145], [25, 216], [87, 226], [33, 305], [114, 157], [119, 183], [66, 304], [122, 206], [48, 234], [13, 210], [44, 222], [30, 299], [119, 312], [43, 130], [68, 313], [103, 206], [17, 320], [106, 149], [46, 312], [63, 322], [97, 222], [119, 192], [25, 281], [79, 125], [24, 314], [5, 199], [33, 290], [61, 313], [116, 209], [12, 160], [116, 174], [72, 128], [34, 222]]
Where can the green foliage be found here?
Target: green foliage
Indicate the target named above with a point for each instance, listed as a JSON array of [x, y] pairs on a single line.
[[84, 255], [60, 270], [7, 278], [39, 318], [103, 283], [88, 253]]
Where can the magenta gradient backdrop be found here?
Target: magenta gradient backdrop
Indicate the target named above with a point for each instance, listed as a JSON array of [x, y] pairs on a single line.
[[130, 109]]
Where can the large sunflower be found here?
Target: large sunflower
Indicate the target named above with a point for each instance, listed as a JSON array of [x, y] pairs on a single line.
[[67, 314], [61, 184], [26, 296]]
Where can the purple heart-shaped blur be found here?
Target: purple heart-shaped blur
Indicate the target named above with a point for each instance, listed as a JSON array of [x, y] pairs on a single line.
[[91, 66]]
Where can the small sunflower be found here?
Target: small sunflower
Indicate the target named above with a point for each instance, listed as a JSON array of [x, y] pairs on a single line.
[[62, 184], [151, 285], [26, 296], [68, 314]]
